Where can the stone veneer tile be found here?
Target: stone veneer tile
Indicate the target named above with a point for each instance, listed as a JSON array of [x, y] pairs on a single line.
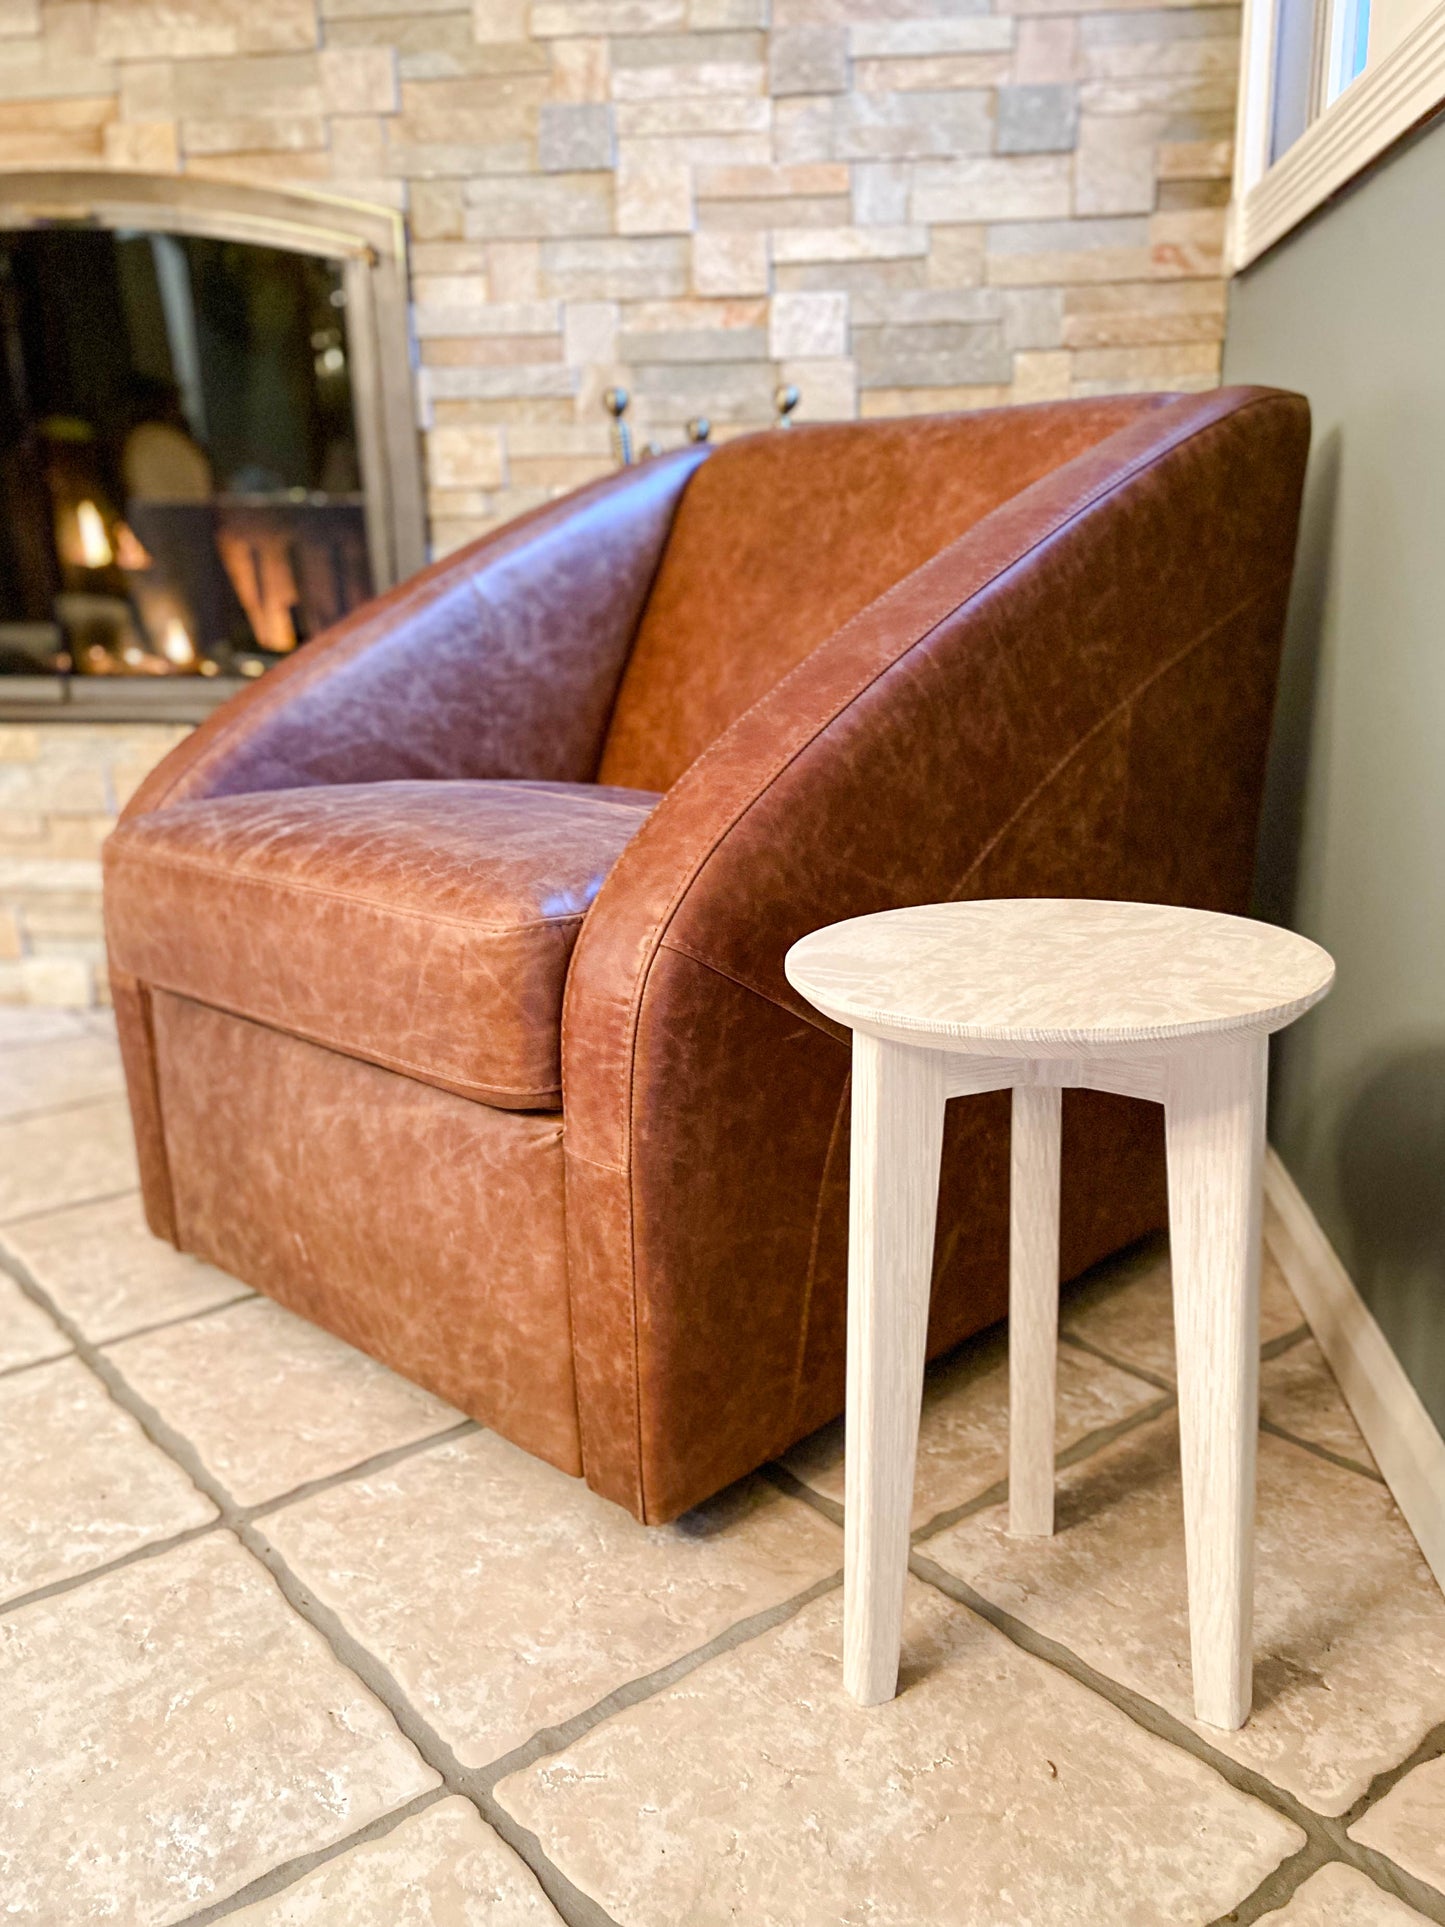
[[1125, 1308], [102, 1266], [26, 1335], [963, 1437], [1339, 1896], [444, 1867], [993, 1791], [1409, 1823], [270, 1401], [83, 1484], [63, 1157], [63, 1070], [1298, 1392], [1349, 1625], [171, 1732], [506, 1597]]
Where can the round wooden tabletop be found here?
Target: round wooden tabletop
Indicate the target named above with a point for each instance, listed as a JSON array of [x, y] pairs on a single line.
[[1043, 971]]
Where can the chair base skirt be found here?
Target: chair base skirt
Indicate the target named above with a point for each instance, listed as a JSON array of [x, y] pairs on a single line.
[[419, 1226]]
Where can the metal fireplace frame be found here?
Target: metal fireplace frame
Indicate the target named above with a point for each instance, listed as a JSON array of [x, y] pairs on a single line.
[[370, 242]]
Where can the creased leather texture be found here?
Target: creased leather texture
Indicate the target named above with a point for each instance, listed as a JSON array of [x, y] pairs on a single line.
[[1073, 699], [500, 661], [424, 1228], [1026, 652], [782, 538], [462, 902]]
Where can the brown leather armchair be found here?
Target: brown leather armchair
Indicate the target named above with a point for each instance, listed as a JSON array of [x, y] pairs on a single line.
[[448, 960]]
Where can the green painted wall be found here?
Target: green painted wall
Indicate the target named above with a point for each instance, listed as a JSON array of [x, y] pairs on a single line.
[[1351, 310]]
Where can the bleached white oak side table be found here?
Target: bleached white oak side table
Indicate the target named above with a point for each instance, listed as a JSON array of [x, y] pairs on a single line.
[[1039, 995]]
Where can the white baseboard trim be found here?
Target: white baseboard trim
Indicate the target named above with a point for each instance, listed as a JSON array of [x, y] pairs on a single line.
[[1399, 1431]]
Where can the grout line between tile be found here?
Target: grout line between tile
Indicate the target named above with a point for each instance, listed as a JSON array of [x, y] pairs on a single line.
[[73, 1581], [60, 1110], [1430, 1748], [1321, 1451], [1278, 1887], [363, 1469], [1326, 1832], [66, 1204], [181, 1318], [1082, 1448], [1285, 1342], [576, 1908], [1326, 1837], [1149, 1376], [287, 1872], [34, 1364], [478, 1784]]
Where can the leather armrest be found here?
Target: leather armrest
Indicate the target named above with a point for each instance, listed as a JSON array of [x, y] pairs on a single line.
[[500, 661], [1073, 698]]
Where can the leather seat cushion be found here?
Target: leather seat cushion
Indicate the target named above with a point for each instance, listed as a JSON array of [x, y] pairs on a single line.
[[423, 926]]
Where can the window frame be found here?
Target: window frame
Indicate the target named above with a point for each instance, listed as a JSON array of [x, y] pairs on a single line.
[[1395, 91]]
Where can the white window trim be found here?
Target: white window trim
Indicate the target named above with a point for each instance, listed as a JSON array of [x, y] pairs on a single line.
[[1390, 97]]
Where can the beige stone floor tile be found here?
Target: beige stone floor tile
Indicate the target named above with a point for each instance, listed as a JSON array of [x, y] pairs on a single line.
[[963, 1437], [1298, 1391], [64, 1070], [24, 1024], [103, 1268], [81, 1482], [64, 1157], [1338, 1896], [1349, 1625], [506, 1597], [993, 1792], [270, 1401], [444, 1867], [1409, 1823], [26, 1334], [1124, 1308], [171, 1732]]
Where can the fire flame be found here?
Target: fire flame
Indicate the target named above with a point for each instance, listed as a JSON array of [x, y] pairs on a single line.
[[176, 645], [95, 549]]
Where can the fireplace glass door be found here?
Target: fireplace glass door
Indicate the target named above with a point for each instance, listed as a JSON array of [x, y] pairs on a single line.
[[180, 489]]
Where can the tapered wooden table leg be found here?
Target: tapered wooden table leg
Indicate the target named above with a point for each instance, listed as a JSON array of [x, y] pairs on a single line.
[[1030, 994], [1033, 1308], [1214, 1122], [897, 1144]]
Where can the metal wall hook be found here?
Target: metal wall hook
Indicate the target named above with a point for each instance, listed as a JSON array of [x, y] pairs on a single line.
[[615, 401]]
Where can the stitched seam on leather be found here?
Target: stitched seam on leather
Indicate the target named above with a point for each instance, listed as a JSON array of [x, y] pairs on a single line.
[[839, 708], [1125, 708], [1064, 519], [169, 860], [681, 950], [423, 1074], [1122, 708], [842, 1110], [1045, 783]]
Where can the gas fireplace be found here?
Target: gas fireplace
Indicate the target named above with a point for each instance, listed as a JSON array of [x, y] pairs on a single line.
[[200, 466]]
